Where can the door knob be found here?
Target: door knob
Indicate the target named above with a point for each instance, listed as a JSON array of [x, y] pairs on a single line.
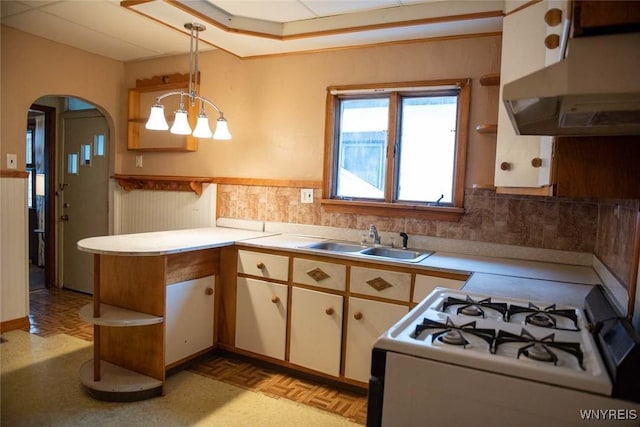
[[64, 217]]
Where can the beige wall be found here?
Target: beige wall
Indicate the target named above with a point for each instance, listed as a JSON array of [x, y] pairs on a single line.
[[33, 67], [275, 105]]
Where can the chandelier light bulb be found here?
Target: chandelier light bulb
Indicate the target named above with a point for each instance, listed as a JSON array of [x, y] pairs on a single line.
[[181, 123], [202, 129], [157, 120], [222, 130]]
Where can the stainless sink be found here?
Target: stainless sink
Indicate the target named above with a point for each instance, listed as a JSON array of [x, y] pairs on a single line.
[[335, 247], [371, 251], [400, 254]]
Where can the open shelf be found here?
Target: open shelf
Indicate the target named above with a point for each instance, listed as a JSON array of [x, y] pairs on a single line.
[[117, 383], [487, 128], [492, 79], [116, 316], [162, 183]]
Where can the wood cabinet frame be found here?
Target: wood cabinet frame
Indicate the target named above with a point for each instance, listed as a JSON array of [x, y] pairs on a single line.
[[137, 118]]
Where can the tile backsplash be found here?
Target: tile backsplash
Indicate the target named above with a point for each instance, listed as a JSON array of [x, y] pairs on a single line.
[[605, 228]]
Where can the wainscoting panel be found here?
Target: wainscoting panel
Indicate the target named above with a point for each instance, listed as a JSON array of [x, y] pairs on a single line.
[[14, 253], [140, 211]]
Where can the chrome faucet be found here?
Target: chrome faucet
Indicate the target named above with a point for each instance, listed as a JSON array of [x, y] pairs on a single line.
[[373, 233]]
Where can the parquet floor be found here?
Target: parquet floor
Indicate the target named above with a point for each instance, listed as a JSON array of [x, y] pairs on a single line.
[[55, 311]]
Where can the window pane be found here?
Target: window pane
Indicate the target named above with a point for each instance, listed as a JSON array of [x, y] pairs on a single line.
[[427, 149], [361, 148]]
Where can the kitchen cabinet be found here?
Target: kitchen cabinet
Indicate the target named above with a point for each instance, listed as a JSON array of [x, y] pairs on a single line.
[[525, 161], [596, 17], [368, 319], [387, 284], [425, 284], [261, 317], [598, 167], [313, 313], [189, 318], [316, 330], [138, 317], [261, 305]]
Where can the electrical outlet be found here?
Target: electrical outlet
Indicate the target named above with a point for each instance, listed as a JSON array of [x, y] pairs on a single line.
[[306, 195], [12, 161], [138, 160]]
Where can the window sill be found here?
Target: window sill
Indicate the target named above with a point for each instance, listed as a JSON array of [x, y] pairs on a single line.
[[440, 213]]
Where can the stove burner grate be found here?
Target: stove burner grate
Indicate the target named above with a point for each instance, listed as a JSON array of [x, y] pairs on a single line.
[[546, 317], [470, 307], [450, 333], [541, 349]]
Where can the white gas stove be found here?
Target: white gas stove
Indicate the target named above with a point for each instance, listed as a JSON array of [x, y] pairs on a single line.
[[503, 360]]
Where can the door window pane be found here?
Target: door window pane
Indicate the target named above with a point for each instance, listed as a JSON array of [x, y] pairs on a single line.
[[98, 145], [85, 154], [72, 164]]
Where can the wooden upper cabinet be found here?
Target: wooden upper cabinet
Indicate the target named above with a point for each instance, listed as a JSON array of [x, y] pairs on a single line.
[[605, 17], [599, 167], [142, 97]]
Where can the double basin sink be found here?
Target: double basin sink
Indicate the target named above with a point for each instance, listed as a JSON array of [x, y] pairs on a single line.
[[374, 252]]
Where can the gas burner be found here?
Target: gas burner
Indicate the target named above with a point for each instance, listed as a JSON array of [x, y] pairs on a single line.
[[539, 349], [470, 307], [546, 317], [452, 334]]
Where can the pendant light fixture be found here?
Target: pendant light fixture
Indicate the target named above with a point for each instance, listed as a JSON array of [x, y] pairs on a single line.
[[157, 120]]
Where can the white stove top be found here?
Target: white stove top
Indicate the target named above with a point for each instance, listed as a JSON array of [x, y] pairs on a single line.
[[561, 352]]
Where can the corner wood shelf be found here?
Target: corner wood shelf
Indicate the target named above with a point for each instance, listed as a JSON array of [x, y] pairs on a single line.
[[114, 382], [487, 128], [162, 183], [492, 79], [111, 315], [117, 383]]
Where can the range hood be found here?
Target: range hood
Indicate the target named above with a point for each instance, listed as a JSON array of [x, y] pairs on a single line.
[[595, 90]]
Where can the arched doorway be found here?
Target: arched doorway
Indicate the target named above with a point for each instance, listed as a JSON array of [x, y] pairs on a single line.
[[76, 162]]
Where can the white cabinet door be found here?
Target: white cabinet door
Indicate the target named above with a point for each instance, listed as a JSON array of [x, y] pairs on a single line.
[[316, 330], [523, 52], [425, 284], [261, 317], [367, 321], [189, 318]]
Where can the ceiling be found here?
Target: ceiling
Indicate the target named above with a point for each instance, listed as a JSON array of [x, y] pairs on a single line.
[[141, 29]]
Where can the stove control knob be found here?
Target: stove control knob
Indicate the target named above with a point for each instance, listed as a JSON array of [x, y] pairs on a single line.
[[357, 315], [329, 311], [275, 299]]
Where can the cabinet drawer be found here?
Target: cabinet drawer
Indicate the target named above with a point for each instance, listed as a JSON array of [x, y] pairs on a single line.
[[381, 283], [260, 264], [317, 273], [425, 284]]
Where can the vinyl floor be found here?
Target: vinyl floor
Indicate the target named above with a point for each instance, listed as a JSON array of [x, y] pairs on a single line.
[[55, 311]]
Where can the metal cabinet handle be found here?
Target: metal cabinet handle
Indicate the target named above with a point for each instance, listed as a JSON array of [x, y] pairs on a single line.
[[357, 315], [329, 311], [260, 265], [209, 291], [275, 299]]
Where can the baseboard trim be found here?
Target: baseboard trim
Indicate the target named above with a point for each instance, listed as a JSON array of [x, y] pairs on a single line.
[[10, 325]]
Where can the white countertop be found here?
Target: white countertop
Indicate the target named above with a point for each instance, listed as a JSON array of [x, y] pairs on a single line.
[[165, 242], [534, 280]]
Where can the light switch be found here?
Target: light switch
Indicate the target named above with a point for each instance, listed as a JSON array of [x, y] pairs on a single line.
[[138, 160], [12, 161]]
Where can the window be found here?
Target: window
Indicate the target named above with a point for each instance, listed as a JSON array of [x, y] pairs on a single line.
[[400, 147]]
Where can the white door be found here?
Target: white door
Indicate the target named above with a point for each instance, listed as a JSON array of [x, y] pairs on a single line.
[[83, 193]]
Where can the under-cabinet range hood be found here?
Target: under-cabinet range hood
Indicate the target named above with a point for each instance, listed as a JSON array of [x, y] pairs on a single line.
[[595, 90]]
